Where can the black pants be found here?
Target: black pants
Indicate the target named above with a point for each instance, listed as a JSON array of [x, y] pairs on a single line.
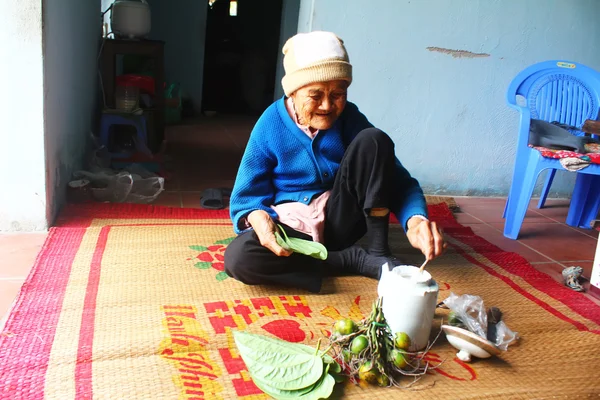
[[363, 181]]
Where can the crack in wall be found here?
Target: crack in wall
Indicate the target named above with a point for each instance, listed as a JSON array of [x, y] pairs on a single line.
[[458, 53]]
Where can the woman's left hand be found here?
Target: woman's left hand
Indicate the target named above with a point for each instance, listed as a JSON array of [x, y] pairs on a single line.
[[426, 236]]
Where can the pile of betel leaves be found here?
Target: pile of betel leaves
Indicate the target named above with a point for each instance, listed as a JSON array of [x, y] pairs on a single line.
[[364, 350], [286, 370]]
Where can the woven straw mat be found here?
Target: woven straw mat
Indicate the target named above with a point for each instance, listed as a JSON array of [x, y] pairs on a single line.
[[131, 302]]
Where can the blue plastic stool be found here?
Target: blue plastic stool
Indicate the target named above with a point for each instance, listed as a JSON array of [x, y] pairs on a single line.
[[136, 121]]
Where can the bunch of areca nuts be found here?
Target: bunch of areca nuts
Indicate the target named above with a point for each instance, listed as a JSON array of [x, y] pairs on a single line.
[[368, 351]]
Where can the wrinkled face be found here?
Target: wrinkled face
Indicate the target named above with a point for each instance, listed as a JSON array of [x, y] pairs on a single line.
[[319, 105]]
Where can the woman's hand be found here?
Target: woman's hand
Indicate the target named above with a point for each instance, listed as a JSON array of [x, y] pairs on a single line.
[[265, 229], [426, 236]]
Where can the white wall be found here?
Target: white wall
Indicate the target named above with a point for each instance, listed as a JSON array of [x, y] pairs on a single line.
[[22, 180], [447, 115], [72, 32]]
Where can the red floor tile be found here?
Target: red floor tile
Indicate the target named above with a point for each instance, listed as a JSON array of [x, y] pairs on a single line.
[[556, 209], [491, 210], [191, 199], [558, 241], [589, 232], [8, 291], [466, 218], [199, 185], [169, 199], [552, 268], [18, 253], [172, 183]]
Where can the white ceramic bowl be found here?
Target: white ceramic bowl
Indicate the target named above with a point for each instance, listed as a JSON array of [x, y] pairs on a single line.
[[469, 344]]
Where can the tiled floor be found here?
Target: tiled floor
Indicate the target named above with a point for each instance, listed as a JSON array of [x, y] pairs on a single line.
[[17, 255], [205, 154]]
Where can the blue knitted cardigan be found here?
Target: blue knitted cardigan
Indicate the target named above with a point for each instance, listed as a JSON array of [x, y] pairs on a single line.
[[281, 163]]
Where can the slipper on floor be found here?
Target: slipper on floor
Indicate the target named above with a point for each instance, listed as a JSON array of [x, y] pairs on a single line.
[[212, 198]]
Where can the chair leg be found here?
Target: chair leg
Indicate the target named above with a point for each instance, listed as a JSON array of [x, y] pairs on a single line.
[[546, 189], [524, 180], [585, 201], [508, 200]]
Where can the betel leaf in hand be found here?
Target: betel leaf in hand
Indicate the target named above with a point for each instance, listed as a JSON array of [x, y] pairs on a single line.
[[307, 247], [285, 370]]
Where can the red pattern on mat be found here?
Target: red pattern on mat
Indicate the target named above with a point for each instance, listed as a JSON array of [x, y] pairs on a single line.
[[81, 215], [523, 292], [83, 369], [32, 326], [517, 265]]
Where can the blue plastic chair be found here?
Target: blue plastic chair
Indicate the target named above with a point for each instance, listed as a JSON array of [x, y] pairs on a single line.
[[560, 91]]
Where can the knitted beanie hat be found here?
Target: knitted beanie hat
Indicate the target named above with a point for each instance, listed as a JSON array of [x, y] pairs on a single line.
[[314, 57]]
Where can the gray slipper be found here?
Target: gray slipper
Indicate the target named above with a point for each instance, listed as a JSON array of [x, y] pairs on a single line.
[[212, 199]]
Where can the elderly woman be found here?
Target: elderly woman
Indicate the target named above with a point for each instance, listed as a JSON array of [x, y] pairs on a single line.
[[318, 168]]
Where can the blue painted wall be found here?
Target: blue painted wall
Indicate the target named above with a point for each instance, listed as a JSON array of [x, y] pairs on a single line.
[[289, 27], [182, 25], [447, 115], [72, 32]]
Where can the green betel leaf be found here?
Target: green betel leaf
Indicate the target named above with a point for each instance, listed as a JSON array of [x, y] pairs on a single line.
[[278, 362], [282, 394], [307, 247], [281, 370], [301, 348], [281, 241], [320, 390]]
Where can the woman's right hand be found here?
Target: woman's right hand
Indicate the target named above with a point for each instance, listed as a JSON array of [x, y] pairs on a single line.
[[265, 229]]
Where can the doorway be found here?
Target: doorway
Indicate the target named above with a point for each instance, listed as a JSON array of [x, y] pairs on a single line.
[[241, 53]]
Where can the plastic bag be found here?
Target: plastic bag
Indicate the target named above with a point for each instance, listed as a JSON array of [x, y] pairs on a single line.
[[146, 186], [504, 336], [134, 185], [472, 313]]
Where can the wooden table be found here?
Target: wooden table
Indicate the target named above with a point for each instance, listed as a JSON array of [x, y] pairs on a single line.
[[153, 49]]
